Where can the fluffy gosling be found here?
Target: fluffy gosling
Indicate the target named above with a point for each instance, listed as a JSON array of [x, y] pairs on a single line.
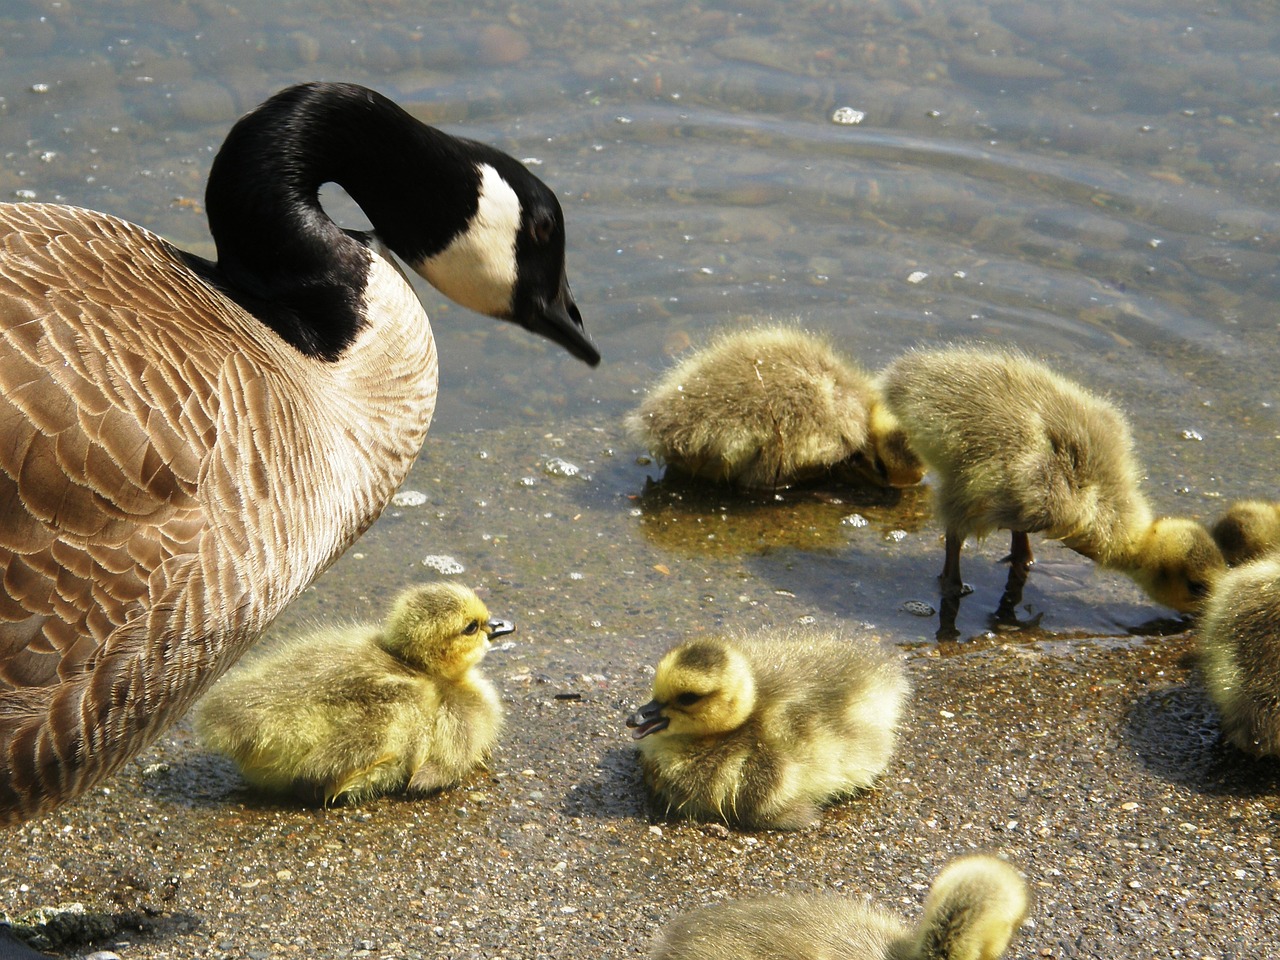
[[1240, 655], [1014, 446], [771, 407], [973, 910], [760, 732], [352, 713], [1248, 530]]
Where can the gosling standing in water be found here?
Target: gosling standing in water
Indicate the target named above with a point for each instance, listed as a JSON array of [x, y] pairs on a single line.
[[771, 407], [973, 910], [351, 713], [760, 732], [1248, 530], [1014, 446], [1240, 655]]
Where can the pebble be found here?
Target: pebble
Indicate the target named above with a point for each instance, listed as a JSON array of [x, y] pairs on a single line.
[[847, 116], [409, 498], [442, 564]]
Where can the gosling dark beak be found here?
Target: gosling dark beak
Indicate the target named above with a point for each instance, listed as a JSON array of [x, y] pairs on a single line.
[[560, 322], [648, 719], [500, 628]]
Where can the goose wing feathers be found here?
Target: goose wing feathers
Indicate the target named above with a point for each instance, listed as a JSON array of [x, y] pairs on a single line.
[[123, 420]]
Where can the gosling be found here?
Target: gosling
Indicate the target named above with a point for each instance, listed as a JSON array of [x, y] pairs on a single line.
[[1248, 530], [1240, 655], [1014, 446], [759, 732], [773, 407], [973, 910], [349, 714]]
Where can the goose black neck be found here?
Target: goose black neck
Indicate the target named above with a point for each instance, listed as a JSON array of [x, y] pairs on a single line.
[[279, 254]]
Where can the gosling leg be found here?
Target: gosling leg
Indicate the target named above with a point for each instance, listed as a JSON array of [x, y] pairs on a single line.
[[1020, 561], [952, 589]]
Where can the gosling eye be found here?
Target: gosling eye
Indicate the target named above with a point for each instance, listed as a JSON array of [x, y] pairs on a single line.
[[688, 699], [1197, 588], [471, 628]]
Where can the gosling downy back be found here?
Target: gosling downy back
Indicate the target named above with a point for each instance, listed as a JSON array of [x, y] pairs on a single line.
[[1249, 529], [769, 407], [188, 444]]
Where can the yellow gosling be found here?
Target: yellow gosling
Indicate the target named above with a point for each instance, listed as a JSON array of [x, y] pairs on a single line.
[[1240, 655], [772, 407], [1014, 446], [760, 732], [972, 912], [352, 713]]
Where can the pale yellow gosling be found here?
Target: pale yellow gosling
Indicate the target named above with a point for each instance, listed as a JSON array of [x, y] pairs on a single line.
[[1249, 529], [771, 407], [1014, 446], [975, 907], [760, 732], [352, 713], [1240, 655]]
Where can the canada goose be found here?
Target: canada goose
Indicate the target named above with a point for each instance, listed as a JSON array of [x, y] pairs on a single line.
[[187, 444], [769, 407], [356, 712], [974, 908], [1014, 446], [759, 731], [1248, 529], [1240, 654]]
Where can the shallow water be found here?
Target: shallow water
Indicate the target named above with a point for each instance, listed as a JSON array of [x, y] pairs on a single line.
[[1096, 182]]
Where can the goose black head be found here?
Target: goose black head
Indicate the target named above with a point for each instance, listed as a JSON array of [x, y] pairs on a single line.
[[507, 258]]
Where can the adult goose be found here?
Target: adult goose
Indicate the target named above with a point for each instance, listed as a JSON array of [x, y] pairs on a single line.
[[185, 444]]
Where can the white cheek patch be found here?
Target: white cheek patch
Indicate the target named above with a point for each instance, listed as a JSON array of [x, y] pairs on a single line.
[[478, 269]]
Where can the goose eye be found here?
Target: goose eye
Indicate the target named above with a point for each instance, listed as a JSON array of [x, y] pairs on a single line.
[[472, 627], [541, 227], [688, 699], [1197, 589]]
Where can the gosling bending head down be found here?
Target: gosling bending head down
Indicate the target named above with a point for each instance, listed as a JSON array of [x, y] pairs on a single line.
[[1015, 446], [771, 407], [760, 732], [973, 910], [353, 713]]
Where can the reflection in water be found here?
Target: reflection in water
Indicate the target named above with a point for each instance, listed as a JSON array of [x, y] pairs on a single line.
[[696, 518]]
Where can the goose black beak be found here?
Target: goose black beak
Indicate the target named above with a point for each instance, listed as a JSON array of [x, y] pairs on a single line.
[[560, 322], [500, 628], [648, 719]]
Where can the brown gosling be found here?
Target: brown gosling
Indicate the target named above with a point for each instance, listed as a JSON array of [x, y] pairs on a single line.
[[760, 732], [974, 908], [1240, 655], [772, 407], [352, 713], [1014, 446], [1248, 530]]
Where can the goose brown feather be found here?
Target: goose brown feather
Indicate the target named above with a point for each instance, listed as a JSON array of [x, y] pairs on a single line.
[[165, 486]]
